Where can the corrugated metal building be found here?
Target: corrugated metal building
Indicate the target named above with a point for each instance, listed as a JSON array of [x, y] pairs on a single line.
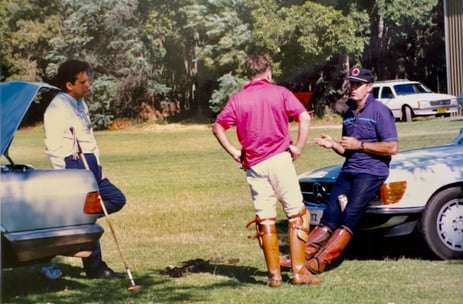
[[453, 12]]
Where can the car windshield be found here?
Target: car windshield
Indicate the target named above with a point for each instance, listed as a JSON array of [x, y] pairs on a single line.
[[411, 88]]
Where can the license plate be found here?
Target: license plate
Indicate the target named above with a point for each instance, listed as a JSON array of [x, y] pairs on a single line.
[[315, 216], [442, 110]]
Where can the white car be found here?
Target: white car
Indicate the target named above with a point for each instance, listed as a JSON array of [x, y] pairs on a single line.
[[44, 212], [423, 193], [409, 99]]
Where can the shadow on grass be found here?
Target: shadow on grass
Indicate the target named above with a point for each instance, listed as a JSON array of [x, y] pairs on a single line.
[[365, 246], [370, 246], [26, 285], [218, 266], [373, 246]]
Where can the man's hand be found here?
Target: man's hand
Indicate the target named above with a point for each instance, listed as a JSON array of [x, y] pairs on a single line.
[[325, 141], [236, 154], [350, 143], [295, 152]]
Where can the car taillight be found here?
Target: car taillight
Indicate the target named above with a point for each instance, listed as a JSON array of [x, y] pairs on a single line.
[[92, 203], [392, 193]]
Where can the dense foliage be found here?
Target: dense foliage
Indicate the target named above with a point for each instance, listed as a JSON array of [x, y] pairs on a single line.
[[191, 51]]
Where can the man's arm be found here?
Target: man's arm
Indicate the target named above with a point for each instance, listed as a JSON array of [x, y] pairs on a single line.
[[53, 123], [383, 148], [304, 120], [221, 136]]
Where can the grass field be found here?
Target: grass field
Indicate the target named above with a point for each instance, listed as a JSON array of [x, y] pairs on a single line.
[[188, 201]]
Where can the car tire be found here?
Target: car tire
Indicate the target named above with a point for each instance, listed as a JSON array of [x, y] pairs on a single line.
[[407, 114], [442, 224]]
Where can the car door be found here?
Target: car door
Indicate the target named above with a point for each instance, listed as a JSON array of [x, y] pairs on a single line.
[[386, 95]]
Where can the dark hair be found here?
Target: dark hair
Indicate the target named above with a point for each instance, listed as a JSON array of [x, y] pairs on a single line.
[[68, 71], [256, 65]]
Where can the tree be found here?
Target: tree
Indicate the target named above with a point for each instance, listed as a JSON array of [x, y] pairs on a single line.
[[111, 38], [222, 40], [193, 50], [26, 29], [398, 29], [298, 44], [166, 29]]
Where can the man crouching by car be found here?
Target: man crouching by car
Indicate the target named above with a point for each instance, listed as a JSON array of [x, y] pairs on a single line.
[[67, 123]]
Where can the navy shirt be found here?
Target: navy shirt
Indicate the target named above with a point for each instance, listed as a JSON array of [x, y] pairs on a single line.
[[374, 123]]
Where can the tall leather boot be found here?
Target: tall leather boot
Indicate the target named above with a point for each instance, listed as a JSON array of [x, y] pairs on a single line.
[[268, 241], [330, 251], [298, 230], [317, 238]]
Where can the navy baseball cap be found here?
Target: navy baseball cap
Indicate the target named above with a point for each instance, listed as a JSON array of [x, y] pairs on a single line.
[[360, 75]]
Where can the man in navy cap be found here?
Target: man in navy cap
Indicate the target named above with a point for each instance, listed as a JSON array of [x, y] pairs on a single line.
[[369, 139]]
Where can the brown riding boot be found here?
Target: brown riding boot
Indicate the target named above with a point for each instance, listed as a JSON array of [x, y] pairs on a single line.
[[317, 238], [268, 241], [330, 251], [298, 231]]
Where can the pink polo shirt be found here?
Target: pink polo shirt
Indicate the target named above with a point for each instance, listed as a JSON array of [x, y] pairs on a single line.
[[260, 113]]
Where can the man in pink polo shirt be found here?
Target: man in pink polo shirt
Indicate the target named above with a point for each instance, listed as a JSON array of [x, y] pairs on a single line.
[[260, 112]]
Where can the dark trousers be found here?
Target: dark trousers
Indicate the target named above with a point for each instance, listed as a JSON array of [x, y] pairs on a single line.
[[360, 189], [113, 199]]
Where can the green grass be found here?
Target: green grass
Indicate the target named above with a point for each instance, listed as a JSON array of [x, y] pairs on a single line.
[[188, 200]]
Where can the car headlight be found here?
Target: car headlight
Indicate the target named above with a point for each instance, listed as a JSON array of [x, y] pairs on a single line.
[[392, 193], [423, 104]]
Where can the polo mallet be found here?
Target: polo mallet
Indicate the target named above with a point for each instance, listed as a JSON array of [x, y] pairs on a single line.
[[133, 286]]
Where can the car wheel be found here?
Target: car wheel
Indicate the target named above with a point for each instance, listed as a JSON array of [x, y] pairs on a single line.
[[442, 224], [407, 114]]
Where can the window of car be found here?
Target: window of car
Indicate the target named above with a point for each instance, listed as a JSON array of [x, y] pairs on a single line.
[[421, 88], [375, 92], [405, 89], [410, 88], [386, 93]]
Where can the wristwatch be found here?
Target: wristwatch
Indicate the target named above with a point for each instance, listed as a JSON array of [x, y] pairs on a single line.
[[362, 146]]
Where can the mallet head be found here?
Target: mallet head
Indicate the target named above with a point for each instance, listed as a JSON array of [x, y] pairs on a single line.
[[134, 288]]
